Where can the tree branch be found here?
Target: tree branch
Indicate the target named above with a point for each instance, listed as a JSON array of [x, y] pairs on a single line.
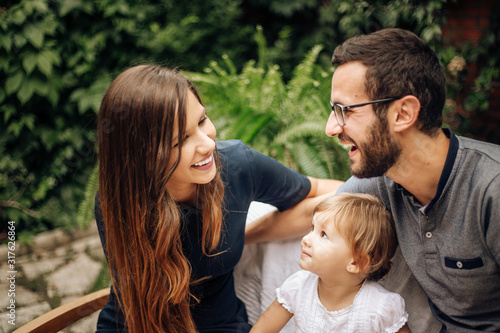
[[15, 204]]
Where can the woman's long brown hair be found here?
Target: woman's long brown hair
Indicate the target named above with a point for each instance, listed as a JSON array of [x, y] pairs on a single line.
[[149, 270]]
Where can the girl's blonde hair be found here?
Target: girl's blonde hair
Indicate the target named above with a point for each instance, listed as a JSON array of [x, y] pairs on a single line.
[[368, 228]]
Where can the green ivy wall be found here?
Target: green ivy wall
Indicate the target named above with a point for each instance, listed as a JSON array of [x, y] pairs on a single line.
[[57, 58]]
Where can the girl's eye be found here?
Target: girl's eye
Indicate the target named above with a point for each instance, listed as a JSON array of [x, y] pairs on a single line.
[[323, 235]]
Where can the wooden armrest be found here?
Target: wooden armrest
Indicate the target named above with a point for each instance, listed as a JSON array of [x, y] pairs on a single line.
[[65, 315]]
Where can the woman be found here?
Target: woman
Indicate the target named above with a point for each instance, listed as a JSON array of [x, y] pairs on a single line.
[[172, 205]]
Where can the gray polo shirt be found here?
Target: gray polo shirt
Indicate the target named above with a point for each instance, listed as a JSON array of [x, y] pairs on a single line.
[[452, 245]]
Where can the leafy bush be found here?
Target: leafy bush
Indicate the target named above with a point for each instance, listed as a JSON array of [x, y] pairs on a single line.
[[57, 58]]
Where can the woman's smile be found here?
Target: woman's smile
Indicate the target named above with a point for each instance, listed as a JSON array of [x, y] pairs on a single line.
[[205, 164]]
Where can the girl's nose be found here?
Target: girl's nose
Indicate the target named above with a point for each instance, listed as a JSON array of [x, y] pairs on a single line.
[[306, 240]]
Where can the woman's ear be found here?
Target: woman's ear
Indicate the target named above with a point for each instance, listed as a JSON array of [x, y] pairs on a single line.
[[405, 113]]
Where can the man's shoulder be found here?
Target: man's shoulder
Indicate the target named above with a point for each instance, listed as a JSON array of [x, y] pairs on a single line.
[[486, 149], [481, 159], [367, 185]]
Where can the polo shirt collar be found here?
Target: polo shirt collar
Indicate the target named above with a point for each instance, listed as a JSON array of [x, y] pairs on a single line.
[[445, 175]]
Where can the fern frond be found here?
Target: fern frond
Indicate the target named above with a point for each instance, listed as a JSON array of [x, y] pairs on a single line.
[[302, 75], [229, 64], [86, 207], [300, 130], [284, 121], [309, 162], [260, 39], [337, 160], [214, 66], [254, 128], [201, 78]]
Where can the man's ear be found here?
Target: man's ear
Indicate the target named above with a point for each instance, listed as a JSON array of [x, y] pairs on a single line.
[[405, 113]]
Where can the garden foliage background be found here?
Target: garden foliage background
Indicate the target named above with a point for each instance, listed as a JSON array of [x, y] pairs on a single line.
[[262, 67]]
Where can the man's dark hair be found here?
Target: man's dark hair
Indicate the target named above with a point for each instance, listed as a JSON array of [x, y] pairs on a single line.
[[399, 64]]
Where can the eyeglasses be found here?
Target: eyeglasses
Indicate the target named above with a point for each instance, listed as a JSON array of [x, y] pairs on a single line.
[[339, 109]]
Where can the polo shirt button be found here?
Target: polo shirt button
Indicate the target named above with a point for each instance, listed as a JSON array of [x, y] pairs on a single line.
[[459, 264], [428, 234]]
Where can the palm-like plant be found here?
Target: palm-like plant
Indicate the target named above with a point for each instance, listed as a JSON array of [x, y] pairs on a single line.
[[283, 120]]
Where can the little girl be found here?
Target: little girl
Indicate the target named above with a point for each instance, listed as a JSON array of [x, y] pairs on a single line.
[[348, 249]]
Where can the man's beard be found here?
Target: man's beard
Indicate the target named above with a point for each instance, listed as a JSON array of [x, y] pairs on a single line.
[[377, 154]]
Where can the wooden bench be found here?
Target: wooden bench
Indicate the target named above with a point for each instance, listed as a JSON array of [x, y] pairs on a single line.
[[65, 315]]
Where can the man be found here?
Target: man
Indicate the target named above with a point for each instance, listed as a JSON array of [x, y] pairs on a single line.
[[443, 190]]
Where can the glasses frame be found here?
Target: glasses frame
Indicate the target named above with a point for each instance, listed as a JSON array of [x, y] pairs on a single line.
[[345, 107]]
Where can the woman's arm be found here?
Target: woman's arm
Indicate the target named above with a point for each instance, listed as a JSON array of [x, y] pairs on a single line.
[[293, 222], [273, 319]]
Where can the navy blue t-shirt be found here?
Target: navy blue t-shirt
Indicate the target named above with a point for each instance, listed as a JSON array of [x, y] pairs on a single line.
[[248, 176]]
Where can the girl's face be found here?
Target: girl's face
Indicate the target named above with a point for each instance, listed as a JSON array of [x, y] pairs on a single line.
[[324, 251], [196, 165]]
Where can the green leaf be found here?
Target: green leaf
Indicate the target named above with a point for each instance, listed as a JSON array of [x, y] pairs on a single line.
[[53, 56], [34, 36], [68, 6], [40, 6], [44, 63], [19, 40], [49, 139], [14, 82], [27, 89], [27, 8], [53, 95], [8, 111], [29, 62], [17, 16], [28, 121], [76, 5], [6, 41], [42, 88], [4, 63]]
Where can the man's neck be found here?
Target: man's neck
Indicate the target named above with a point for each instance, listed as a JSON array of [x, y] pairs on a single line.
[[421, 164]]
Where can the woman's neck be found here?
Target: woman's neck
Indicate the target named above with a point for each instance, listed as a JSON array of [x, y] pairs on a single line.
[[185, 195], [337, 296]]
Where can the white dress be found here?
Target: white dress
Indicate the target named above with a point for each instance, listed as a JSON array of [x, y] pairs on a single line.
[[374, 308]]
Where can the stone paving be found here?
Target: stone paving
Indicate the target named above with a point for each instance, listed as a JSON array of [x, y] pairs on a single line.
[[55, 270]]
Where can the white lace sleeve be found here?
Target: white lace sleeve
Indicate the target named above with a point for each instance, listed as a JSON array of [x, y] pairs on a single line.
[[393, 313], [287, 293]]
